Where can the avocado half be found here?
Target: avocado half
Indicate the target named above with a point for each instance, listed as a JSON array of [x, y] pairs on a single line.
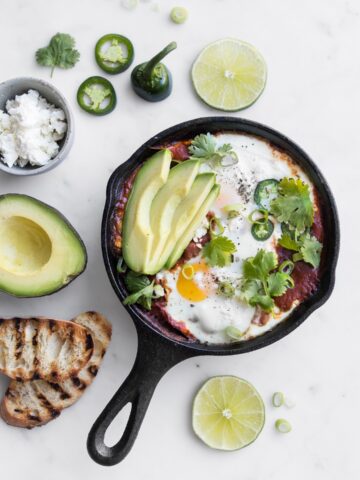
[[40, 251]]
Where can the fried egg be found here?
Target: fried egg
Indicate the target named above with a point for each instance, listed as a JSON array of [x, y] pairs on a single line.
[[195, 300]]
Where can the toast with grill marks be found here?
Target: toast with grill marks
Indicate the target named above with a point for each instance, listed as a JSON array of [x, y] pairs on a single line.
[[42, 348], [34, 403]]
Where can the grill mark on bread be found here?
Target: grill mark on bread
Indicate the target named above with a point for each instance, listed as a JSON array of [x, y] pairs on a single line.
[[93, 370], [57, 387], [18, 338], [79, 384], [68, 390], [54, 412], [89, 342]]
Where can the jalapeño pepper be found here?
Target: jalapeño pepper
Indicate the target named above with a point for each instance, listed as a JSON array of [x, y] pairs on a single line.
[[152, 80], [114, 53], [96, 95]]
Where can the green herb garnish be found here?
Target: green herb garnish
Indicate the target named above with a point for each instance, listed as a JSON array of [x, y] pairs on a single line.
[[204, 148], [293, 204], [60, 53], [226, 289], [307, 247], [261, 282], [218, 252], [142, 291]]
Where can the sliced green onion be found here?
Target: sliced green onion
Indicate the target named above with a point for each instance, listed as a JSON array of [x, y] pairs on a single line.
[[158, 291], [229, 160], [121, 265], [264, 215], [233, 210], [188, 272], [286, 267], [234, 333], [216, 227], [179, 15], [226, 289], [278, 399], [282, 425], [297, 257]]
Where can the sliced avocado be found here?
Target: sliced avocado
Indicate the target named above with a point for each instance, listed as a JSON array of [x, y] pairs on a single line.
[[40, 252], [163, 207], [186, 211], [194, 224], [136, 231]]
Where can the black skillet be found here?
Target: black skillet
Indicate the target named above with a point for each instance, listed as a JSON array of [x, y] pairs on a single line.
[[160, 347]]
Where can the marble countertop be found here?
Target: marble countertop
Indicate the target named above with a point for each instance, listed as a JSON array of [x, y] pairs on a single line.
[[313, 96]]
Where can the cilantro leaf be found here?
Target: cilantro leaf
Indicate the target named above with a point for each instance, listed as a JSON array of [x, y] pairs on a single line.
[[140, 288], [261, 282], [311, 250], [259, 267], [136, 281], [60, 52], [278, 283], [142, 297], [218, 251], [204, 147], [288, 242], [293, 204]]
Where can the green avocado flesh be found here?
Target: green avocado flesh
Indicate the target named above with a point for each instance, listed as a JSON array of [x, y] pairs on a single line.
[[164, 209], [186, 212], [136, 231], [177, 187], [40, 252], [188, 234]]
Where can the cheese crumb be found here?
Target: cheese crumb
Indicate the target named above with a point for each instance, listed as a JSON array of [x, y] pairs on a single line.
[[30, 130]]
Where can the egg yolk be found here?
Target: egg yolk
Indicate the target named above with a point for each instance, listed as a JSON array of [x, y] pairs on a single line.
[[190, 288]]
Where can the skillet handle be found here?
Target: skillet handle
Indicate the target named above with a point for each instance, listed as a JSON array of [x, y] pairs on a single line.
[[154, 358]]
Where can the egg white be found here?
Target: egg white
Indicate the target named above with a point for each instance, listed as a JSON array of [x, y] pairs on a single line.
[[208, 319]]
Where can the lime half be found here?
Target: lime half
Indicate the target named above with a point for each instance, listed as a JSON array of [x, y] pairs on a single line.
[[228, 413], [229, 74]]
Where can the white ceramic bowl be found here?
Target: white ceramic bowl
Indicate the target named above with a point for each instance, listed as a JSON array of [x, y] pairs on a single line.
[[18, 86]]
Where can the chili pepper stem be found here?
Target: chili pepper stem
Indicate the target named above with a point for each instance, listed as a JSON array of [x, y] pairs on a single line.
[[151, 64]]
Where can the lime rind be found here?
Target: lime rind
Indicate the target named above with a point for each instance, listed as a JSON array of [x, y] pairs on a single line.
[[228, 413], [229, 74]]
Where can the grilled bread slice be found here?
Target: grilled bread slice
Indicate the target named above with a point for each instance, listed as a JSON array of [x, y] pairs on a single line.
[[42, 348], [32, 404]]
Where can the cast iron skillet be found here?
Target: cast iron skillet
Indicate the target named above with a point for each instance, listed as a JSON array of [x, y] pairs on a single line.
[[159, 347]]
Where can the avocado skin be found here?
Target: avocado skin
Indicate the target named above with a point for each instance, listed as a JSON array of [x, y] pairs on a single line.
[[70, 227]]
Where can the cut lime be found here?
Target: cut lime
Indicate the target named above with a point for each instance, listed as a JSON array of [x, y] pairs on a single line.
[[228, 413], [229, 74]]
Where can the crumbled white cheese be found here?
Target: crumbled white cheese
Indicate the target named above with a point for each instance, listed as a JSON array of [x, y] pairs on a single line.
[[30, 129]]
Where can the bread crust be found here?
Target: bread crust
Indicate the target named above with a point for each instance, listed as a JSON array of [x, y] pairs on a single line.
[[28, 404]]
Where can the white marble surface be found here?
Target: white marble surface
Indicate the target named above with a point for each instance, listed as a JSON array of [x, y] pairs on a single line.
[[312, 95]]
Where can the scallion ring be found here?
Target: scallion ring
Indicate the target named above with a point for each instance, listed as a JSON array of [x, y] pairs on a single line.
[[264, 215], [282, 425], [216, 227], [188, 272], [233, 332], [226, 289], [233, 210], [121, 265], [278, 399], [229, 160], [287, 267]]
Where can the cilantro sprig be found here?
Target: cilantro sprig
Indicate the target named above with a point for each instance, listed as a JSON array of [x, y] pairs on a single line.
[[60, 52], [263, 280], [307, 247], [293, 204], [204, 148], [142, 290], [218, 252]]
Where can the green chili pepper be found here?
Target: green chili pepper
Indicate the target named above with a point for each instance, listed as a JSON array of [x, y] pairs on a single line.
[[96, 95], [152, 80], [114, 53], [265, 191], [262, 230]]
